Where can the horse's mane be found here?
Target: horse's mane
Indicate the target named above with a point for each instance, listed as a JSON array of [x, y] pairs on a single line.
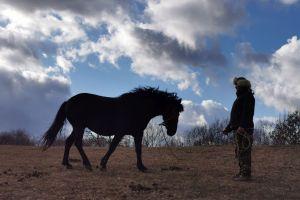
[[149, 92]]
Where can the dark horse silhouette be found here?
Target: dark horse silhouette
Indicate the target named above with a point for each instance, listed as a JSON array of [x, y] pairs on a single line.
[[127, 114]]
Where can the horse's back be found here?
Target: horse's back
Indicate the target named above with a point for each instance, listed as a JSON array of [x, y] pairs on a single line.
[[88, 105], [88, 96]]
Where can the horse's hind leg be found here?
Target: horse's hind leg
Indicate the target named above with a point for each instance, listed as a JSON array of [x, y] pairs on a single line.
[[68, 145], [138, 149], [113, 145], [78, 144]]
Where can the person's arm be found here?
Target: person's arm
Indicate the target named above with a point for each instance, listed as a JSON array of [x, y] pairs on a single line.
[[247, 112], [227, 129]]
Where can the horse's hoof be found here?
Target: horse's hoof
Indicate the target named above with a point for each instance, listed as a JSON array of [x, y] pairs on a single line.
[[142, 168], [88, 167], [68, 166], [102, 168]]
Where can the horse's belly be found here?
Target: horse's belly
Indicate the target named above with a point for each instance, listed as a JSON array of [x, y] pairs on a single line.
[[110, 128]]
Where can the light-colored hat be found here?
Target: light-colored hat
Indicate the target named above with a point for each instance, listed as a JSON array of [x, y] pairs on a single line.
[[241, 82]]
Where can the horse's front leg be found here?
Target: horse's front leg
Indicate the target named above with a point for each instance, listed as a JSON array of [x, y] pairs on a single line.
[[138, 149], [113, 145]]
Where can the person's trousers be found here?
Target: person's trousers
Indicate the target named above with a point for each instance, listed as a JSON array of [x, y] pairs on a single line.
[[243, 151]]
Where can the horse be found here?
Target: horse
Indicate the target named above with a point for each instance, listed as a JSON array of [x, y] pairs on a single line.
[[127, 114]]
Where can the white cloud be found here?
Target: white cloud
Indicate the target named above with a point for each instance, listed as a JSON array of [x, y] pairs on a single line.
[[277, 83], [64, 63], [191, 20], [59, 27], [288, 2], [205, 113]]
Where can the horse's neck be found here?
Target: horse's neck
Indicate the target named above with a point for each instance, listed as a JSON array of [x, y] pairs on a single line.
[[152, 107], [155, 109]]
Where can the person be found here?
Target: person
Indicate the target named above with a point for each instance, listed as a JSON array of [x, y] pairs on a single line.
[[241, 123]]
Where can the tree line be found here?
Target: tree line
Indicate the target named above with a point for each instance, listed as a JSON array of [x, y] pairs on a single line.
[[284, 131]]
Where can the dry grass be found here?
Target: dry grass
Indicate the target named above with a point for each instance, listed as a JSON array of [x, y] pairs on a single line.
[[199, 173]]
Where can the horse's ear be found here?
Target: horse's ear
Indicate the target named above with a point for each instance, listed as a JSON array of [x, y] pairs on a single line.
[[181, 106]]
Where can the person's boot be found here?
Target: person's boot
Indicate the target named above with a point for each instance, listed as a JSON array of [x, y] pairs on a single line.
[[245, 169], [242, 177]]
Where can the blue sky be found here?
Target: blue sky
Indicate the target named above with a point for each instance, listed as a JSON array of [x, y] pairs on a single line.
[[52, 50]]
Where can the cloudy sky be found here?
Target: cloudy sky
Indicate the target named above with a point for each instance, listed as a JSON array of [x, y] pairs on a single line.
[[51, 50]]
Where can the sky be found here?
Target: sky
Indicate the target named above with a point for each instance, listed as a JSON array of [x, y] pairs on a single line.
[[51, 50]]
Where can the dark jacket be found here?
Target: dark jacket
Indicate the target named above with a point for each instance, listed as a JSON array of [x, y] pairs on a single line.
[[242, 111]]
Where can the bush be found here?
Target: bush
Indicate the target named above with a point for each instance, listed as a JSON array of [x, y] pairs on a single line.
[[287, 130], [16, 137]]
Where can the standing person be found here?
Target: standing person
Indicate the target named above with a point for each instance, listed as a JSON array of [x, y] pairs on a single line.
[[241, 122]]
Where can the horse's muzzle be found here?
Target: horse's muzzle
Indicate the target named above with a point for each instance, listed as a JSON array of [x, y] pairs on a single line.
[[171, 132]]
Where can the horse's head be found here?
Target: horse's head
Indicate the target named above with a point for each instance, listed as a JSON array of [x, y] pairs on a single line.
[[166, 104], [171, 114]]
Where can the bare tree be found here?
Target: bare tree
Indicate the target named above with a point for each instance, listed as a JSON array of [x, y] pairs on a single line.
[[197, 136], [208, 135], [156, 136], [262, 132], [152, 135], [127, 141], [93, 139]]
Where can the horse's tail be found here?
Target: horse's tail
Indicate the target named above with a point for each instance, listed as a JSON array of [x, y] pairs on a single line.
[[56, 126]]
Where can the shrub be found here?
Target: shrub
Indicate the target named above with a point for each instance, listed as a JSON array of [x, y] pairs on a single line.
[[287, 130], [16, 137]]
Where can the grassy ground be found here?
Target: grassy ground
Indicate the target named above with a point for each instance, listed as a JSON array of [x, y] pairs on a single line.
[[195, 173]]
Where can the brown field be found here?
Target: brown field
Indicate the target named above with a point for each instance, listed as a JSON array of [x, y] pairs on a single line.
[[195, 173]]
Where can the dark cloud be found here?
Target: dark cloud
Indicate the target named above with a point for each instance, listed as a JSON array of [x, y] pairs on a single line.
[[230, 12], [160, 44], [247, 55], [87, 8], [77, 6], [26, 47], [233, 13], [28, 103]]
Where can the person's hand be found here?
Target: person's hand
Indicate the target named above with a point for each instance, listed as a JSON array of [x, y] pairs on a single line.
[[241, 130], [225, 131]]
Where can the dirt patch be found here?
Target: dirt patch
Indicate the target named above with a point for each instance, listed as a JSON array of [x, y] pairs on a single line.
[[33, 174], [4, 183], [154, 187], [22, 176], [172, 168], [139, 188], [75, 160]]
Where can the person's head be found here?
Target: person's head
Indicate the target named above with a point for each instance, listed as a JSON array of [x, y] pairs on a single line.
[[241, 83]]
